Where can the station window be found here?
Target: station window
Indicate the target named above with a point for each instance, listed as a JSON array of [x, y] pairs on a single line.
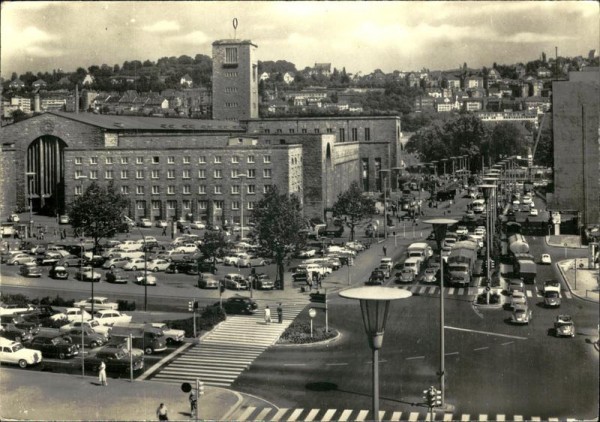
[[139, 160], [139, 174], [170, 190]]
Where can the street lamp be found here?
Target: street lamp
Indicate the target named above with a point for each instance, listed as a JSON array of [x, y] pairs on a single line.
[[30, 175], [374, 305], [242, 176], [440, 225], [145, 269], [488, 191], [384, 185]]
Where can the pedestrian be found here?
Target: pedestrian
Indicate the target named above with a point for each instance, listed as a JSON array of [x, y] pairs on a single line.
[[280, 313], [193, 403], [384, 251], [267, 315], [161, 412], [164, 231], [102, 374], [319, 279]]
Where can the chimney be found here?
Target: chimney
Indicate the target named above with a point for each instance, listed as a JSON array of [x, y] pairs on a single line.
[[76, 98], [36, 103]]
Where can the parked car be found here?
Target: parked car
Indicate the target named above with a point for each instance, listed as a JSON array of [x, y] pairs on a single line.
[[248, 261], [117, 262], [69, 261], [546, 259], [20, 259], [49, 258], [71, 314], [172, 335], [136, 264], [91, 324], [533, 212], [176, 267], [564, 326], [19, 321], [239, 305], [235, 281], [198, 225], [90, 338], [145, 222], [14, 218], [462, 230], [15, 353], [355, 246], [87, 273], [12, 332], [29, 269], [208, 283], [117, 276], [98, 302], [116, 360], [306, 253], [149, 280], [52, 345], [161, 223], [300, 275], [207, 267], [64, 219], [58, 273], [111, 317], [158, 265], [521, 315], [262, 282]]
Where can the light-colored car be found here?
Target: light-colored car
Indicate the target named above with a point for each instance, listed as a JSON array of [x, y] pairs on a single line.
[[230, 260], [93, 324], [186, 248], [521, 315], [306, 253], [30, 269], [20, 259], [533, 211], [64, 219], [250, 261], [462, 230], [405, 276], [172, 335], [158, 265], [14, 218], [518, 298], [564, 326], [72, 314], [117, 262], [110, 317], [355, 246], [145, 222], [198, 225], [88, 273], [150, 280], [14, 353], [429, 275], [546, 259], [136, 264], [515, 285], [99, 302], [235, 281], [161, 223]]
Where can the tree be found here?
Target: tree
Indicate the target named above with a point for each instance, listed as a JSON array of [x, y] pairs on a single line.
[[214, 245], [354, 206], [279, 224], [98, 213], [507, 138]]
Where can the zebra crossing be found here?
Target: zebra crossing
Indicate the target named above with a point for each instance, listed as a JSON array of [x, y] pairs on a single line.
[[273, 414], [470, 291], [229, 349]]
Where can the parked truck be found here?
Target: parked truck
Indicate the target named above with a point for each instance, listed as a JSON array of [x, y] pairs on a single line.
[[144, 336], [461, 262]]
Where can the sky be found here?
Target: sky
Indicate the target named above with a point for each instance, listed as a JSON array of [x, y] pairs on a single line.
[[360, 36]]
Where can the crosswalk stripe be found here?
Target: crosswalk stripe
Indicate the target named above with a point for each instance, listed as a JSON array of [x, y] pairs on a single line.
[[500, 418], [277, 416], [381, 415], [568, 295], [432, 290], [465, 417], [249, 410], [537, 293], [328, 415], [552, 419], [448, 417], [413, 417], [535, 419], [483, 418], [461, 291], [311, 415], [263, 414], [430, 417], [529, 293], [517, 418], [295, 415], [396, 416], [362, 415], [345, 415], [422, 290], [451, 291]]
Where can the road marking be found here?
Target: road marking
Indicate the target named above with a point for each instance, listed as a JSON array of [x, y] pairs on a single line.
[[246, 415], [480, 348], [552, 419], [337, 364], [294, 364], [326, 417], [529, 294], [451, 291], [416, 357], [568, 295], [428, 418], [413, 417], [484, 332], [535, 419], [263, 414], [294, 416], [163, 360], [507, 343], [482, 418], [432, 290], [422, 290], [362, 415], [461, 291], [311, 415], [451, 353], [277, 416], [465, 418], [381, 415], [345, 415], [500, 418], [518, 418], [448, 417], [396, 416]]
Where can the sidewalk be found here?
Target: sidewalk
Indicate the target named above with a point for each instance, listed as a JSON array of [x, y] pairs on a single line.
[[583, 282], [35, 395], [564, 241]]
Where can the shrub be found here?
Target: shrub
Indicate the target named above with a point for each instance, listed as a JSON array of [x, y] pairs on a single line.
[[209, 317], [299, 333], [50, 323], [57, 301], [16, 299], [125, 305]]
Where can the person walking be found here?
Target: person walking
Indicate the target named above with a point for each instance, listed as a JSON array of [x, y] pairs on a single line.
[[164, 231], [267, 315], [384, 251], [161, 412], [280, 313], [102, 374]]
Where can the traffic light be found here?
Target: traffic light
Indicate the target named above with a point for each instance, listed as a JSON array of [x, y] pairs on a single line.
[[200, 388], [437, 397], [191, 305], [196, 304], [318, 297], [429, 396]]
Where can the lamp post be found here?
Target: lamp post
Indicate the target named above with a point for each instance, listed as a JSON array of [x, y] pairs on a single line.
[[145, 269], [242, 176], [82, 309], [440, 225], [384, 186], [30, 175], [487, 194], [374, 305]]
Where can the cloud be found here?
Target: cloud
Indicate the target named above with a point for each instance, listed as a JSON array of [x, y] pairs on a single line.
[[30, 40], [193, 38], [162, 26], [532, 37]]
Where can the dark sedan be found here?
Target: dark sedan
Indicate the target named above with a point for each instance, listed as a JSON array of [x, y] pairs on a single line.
[[239, 305], [70, 261], [59, 273], [53, 346], [116, 360]]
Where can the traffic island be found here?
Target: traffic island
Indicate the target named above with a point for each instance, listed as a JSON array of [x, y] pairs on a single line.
[[300, 333], [496, 300]]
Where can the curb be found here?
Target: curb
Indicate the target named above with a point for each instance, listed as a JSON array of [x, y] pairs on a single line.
[[562, 274], [552, 245]]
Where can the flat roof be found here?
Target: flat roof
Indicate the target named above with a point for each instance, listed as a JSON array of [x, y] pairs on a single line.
[[165, 124]]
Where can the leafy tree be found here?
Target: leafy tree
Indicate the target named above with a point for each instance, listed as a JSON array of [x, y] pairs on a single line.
[[354, 206], [278, 228], [544, 153], [214, 245], [98, 213], [507, 138]]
